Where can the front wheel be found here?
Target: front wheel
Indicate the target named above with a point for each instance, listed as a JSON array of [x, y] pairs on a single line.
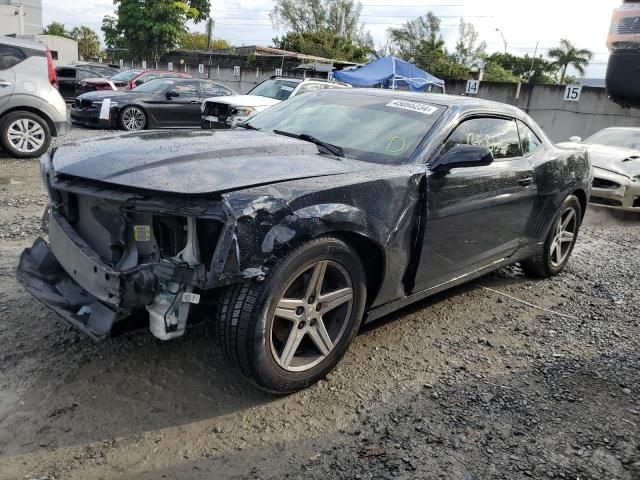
[[132, 119], [554, 254], [290, 330]]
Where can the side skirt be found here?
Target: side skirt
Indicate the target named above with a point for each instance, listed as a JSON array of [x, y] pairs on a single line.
[[388, 308]]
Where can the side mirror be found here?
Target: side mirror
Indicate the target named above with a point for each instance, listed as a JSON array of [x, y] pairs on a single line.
[[139, 82], [172, 94], [575, 139], [463, 155]]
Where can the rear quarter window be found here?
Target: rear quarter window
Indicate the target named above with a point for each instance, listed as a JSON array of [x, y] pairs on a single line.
[[10, 56]]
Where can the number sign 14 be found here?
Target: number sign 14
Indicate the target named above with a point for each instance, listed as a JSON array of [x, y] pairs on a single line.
[[572, 93], [473, 86]]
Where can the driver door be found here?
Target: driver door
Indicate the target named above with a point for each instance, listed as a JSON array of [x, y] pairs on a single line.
[[476, 215], [181, 110]]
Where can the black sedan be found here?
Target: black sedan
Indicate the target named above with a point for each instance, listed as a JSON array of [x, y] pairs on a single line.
[[322, 213], [69, 76], [166, 102]]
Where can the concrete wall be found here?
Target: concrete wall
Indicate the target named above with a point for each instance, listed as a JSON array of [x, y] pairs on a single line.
[[558, 118]]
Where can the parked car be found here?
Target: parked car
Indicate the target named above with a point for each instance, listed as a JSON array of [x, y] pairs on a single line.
[[166, 102], [70, 76], [615, 155], [221, 113], [31, 107], [126, 80], [322, 213]]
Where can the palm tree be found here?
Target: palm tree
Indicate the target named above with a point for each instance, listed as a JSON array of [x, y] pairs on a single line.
[[567, 54], [88, 41]]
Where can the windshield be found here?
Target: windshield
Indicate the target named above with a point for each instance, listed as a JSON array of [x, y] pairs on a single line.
[[616, 138], [154, 86], [126, 75], [278, 89], [372, 128]]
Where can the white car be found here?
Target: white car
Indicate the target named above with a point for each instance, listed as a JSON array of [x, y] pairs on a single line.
[[615, 156], [227, 112]]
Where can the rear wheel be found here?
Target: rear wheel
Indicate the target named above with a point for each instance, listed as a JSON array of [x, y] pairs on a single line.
[[132, 118], [24, 134], [289, 331], [558, 246]]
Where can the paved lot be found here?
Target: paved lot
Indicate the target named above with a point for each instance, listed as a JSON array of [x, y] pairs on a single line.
[[471, 384]]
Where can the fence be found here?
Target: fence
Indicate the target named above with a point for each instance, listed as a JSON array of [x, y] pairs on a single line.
[[546, 104]]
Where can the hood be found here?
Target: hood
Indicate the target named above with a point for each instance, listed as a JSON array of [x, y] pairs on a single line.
[[198, 161], [623, 161], [245, 101]]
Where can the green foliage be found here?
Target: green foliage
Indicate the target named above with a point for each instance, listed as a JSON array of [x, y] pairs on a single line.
[[417, 36], [540, 70], [468, 51], [494, 72], [568, 54], [327, 28], [56, 28], [88, 42], [150, 28], [198, 41], [323, 43]]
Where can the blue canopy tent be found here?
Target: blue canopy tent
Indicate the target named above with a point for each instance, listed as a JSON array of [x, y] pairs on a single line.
[[390, 72]]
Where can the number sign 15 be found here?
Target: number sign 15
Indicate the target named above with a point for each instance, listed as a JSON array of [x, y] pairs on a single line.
[[572, 93], [473, 86], [236, 71]]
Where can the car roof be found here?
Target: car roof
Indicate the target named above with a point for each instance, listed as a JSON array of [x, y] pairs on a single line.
[[453, 102], [21, 42], [628, 129]]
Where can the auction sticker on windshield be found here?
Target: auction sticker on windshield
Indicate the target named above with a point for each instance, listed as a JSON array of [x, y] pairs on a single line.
[[413, 106]]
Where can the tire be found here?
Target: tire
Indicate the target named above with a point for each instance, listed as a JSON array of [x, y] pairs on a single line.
[[256, 340], [132, 119], [24, 134], [549, 261]]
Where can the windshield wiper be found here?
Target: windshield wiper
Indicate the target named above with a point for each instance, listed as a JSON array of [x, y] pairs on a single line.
[[331, 148], [248, 126]]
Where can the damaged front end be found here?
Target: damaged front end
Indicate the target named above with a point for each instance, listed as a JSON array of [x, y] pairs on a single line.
[[111, 253]]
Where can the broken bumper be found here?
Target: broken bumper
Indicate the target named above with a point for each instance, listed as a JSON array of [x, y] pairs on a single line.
[[70, 279], [612, 190]]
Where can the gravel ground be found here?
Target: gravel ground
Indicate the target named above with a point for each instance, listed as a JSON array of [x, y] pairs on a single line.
[[471, 384]]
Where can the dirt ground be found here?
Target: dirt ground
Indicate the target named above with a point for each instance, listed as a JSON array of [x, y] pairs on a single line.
[[469, 385]]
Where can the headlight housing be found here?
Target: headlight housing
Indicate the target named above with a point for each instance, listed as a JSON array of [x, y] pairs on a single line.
[[98, 104], [243, 111]]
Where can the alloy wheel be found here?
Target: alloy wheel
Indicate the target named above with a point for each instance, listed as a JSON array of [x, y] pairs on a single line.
[[26, 135], [565, 233], [311, 316], [133, 119]]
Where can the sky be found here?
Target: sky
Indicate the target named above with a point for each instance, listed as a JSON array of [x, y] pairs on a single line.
[[523, 23]]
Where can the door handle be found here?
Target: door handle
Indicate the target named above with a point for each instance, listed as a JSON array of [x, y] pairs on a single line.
[[194, 102], [525, 182], [4, 84]]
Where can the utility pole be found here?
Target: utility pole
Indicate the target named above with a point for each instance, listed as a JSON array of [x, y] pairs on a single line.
[[535, 52], [209, 32], [504, 40]]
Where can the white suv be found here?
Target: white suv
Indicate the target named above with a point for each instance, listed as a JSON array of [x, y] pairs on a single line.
[[227, 112]]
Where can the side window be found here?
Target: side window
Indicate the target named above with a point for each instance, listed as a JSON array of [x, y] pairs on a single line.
[[66, 72], [309, 87], [10, 57], [212, 90], [186, 89], [85, 73], [497, 134], [530, 141]]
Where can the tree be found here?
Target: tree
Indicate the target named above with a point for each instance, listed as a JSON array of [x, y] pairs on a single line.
[[567, 54], [421, 33], [113, 38], [526, 68], [149, 28], [323, 43], [494, 72], [329, 26], [88, 41], [56, 28], [199, 41], [468, 50]]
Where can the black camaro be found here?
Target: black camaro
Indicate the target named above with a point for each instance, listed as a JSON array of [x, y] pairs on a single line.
[[165, 102], [326, 211]]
